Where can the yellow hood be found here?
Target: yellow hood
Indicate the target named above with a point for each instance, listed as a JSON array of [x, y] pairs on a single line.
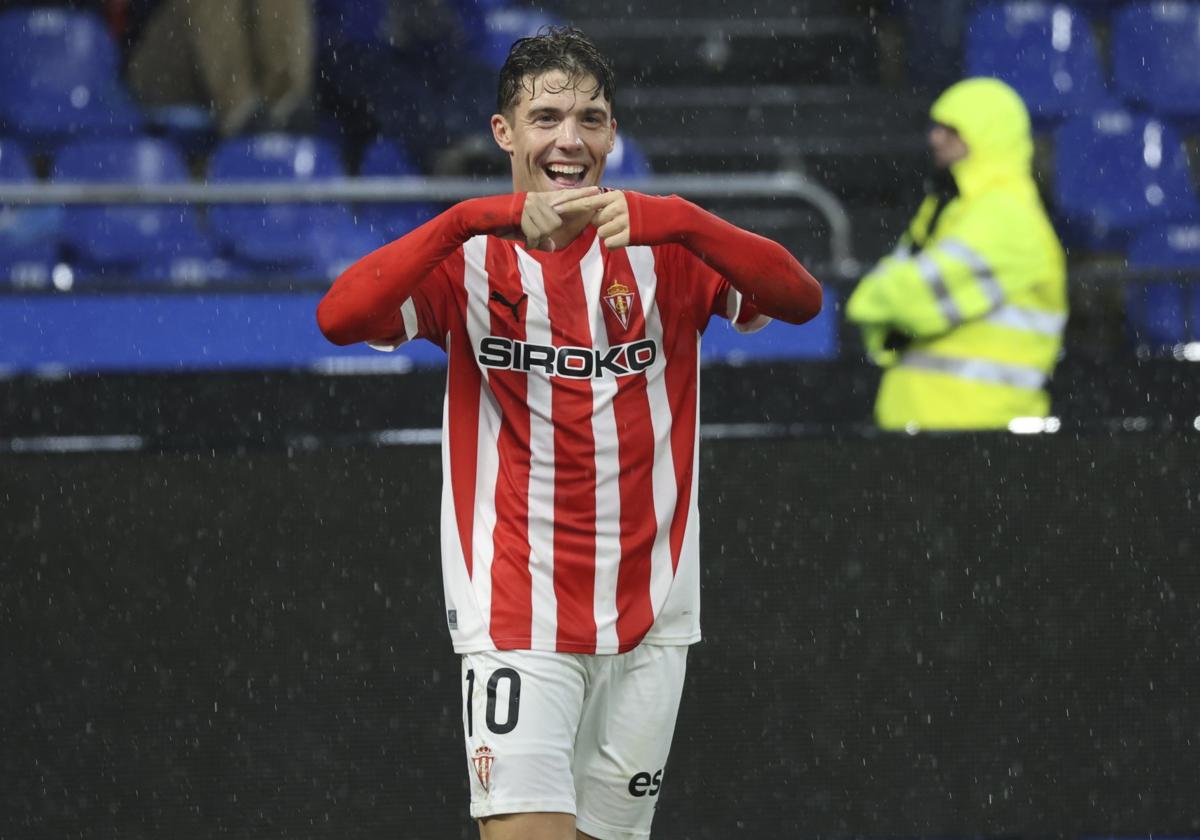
[[994, 123]]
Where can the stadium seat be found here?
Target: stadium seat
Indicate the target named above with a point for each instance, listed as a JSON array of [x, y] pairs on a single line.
[[361, 22], [1044, 50], [1164, 314], [500, 26], [385, 159], [300, 239], [1167, 246], [132, 240], [1156, 57], [1115, 172], [190, 127], [28, 235], [1156, 314], [61, 77], [627, 161]]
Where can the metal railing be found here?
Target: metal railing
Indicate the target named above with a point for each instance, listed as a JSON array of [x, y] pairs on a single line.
[[780, 185]]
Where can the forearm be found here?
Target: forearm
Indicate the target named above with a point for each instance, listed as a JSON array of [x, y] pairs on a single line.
[[897, 293], [762, 270], [364, 302]]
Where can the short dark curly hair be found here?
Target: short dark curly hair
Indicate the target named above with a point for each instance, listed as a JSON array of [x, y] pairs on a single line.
[[562, 48]]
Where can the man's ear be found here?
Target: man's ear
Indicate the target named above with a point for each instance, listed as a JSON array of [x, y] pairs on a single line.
[[612, 136], [502, 132]]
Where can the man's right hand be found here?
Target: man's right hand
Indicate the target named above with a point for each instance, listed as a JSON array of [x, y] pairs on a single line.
[[541, 219]]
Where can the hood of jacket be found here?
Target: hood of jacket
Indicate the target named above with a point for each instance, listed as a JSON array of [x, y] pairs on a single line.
[[994, 123]]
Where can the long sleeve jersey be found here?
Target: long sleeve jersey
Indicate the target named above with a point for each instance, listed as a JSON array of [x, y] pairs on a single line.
[[569, 508]]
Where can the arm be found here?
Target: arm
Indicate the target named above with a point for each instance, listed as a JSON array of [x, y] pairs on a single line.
[[762, 270], [965, 273], [364, 302]]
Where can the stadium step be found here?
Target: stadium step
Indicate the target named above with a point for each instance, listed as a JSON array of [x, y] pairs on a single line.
[[862, 141], [800, 109], [749, 50], [712, 9], [804, 232]]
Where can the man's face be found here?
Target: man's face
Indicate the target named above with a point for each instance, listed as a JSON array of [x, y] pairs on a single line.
[[558, 134], [948, 147]]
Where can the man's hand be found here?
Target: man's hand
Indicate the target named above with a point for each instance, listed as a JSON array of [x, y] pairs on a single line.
[[610, 215], [544, 214]]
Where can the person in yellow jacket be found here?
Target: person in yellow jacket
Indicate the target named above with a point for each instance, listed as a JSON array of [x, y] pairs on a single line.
[[967, 313]]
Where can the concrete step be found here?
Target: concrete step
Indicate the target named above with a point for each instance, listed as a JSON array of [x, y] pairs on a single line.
[[761, 50], [843, 111], [875, 169], [867, 139], [804, 232], [630, 11]]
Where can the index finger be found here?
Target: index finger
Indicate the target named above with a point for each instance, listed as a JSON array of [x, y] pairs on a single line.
[[562, 196], [587, 202]]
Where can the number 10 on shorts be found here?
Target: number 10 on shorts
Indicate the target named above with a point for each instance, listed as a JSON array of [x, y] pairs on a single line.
[[503, 689]]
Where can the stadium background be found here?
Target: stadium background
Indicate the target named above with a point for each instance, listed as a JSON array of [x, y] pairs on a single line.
[[219, 594]]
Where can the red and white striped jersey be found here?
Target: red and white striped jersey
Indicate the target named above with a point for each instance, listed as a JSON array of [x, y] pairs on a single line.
[[570, 431]]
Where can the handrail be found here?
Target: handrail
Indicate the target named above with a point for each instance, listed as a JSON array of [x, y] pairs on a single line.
[[786, 185]]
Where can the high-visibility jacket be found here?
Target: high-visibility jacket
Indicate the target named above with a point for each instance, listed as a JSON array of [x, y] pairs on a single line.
[[980, 300]]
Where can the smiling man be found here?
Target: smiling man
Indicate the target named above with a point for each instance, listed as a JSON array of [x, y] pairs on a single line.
[[572, 319]]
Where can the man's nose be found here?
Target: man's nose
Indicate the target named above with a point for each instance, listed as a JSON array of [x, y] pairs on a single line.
[[568, 135]]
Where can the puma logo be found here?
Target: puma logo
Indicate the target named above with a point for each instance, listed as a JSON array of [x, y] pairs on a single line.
[[514, 307]]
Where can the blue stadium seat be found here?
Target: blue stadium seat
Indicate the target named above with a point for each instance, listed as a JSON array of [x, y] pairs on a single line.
[[1156, 57], [60, 76], [190, 127], [1115, 172], [466, 8], [627, 161], [1156, 314], [308, 240], [385, 159], [28, 235], [134, 240], [1167, 246], [1044, 50], [501, 26], [362, 22], [1163, 314]]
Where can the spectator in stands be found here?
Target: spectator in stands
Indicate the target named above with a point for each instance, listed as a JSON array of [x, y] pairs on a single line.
[[251, 61], [967, 313], [405, 69]]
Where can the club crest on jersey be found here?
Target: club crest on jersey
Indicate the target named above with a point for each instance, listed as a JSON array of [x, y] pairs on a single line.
[[496, 351], [620, 300], [483, 759]]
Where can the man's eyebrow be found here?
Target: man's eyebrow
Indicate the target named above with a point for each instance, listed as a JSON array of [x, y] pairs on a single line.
[[537, 110]]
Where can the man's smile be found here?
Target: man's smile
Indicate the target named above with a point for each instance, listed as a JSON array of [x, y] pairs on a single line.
[[565, 175]]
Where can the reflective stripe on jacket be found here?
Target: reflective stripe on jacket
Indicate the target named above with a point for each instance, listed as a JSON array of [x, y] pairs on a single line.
[[982, 296]]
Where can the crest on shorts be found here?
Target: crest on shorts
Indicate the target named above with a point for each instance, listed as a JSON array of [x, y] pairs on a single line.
[[620, 300], [482, 760]]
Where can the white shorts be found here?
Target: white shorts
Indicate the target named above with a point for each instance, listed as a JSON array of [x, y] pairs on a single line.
[[572, 733]]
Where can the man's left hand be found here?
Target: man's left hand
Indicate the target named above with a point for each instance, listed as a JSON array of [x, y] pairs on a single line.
[[610, 215]]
